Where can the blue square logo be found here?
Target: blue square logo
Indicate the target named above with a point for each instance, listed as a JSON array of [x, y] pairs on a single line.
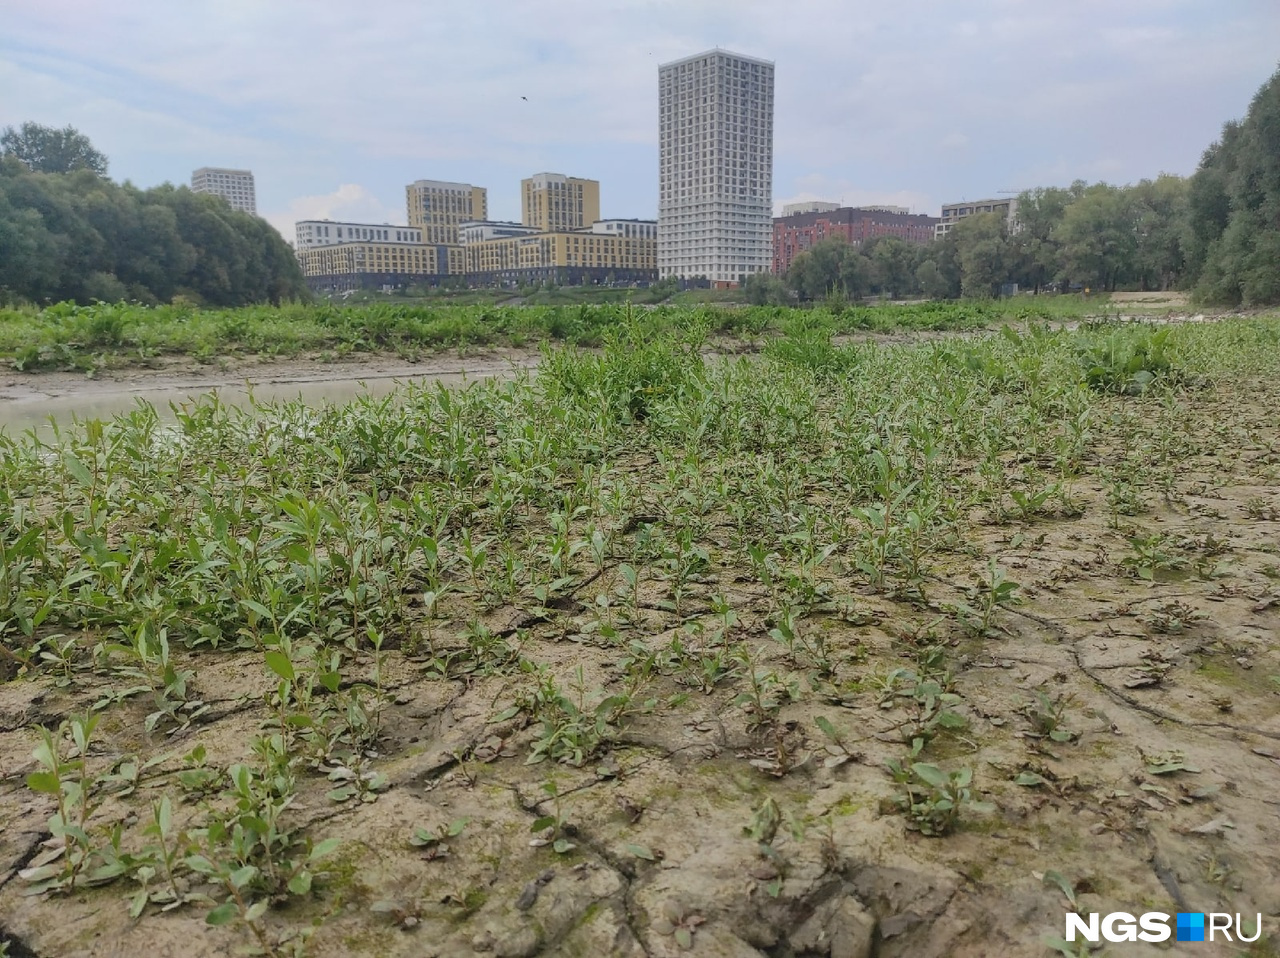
[[1190, 926]]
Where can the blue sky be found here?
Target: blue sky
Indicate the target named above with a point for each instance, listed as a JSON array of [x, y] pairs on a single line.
[[335, 106]]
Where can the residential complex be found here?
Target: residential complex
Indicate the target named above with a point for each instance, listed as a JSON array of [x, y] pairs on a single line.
[[439, 208], [576, 258], [794, 234], [554, 203], [563, 241], [362, 263], [234, 186], [715, 167], [953, 213], [310, 233], [715, 199]]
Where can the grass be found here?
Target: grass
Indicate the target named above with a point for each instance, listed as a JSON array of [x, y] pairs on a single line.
[[67, 336], [634, 540]]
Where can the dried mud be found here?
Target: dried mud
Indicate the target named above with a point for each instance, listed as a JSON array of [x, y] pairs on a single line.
[[1183, 669]]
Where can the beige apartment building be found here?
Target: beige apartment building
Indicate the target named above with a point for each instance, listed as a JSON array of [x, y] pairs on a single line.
[[554, 203], [438, 208]]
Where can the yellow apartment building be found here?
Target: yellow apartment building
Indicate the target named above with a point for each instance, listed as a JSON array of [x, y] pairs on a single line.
[[555, 203], [569, 259], [438, 208], [346, 266]]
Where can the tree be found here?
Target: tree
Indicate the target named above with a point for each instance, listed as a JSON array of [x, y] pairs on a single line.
[[982, 251], [894, 261], [1035, 249], [765, 289], [831, 267], [78, 236], [1234, 219], [46, 150], [1099, 235]]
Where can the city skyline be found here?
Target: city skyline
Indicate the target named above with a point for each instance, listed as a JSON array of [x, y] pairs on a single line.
[[915, 107]]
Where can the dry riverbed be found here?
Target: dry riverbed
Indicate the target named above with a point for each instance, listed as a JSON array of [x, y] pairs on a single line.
[[1121, 719]]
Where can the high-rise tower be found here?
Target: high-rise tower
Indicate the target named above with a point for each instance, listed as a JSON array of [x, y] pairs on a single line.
[[715, 166]]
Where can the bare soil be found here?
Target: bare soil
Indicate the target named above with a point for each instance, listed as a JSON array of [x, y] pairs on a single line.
[[1167, 791]]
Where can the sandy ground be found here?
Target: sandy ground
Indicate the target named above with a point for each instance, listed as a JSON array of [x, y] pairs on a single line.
[[1162, 794], [28, 399]]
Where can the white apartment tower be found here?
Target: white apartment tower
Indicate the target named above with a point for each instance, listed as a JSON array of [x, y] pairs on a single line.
[[715, 166], [234, 186]]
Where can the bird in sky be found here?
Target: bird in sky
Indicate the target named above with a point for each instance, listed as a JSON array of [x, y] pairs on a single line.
[[524, 98]]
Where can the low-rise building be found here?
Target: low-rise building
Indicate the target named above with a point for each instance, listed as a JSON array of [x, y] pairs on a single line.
[[308, 233], [792, 235], [953, 213], [579, 258], [378, 265]]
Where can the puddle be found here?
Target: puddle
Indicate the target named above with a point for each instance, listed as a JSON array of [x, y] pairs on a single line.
[[26, 406]]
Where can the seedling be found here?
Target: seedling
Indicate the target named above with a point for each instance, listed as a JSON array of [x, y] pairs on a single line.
[[933, 799], [435, 841]]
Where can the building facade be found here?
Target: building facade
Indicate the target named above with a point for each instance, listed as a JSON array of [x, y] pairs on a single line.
[[953, 213], [579, 258], [715, 167], [640, 229], [234, 186], [439, 208], [308, 233], [792, 235], [339, 267], [480, 231], [554, 203], [809, 206]]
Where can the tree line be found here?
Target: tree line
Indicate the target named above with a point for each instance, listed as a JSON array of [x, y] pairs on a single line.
[[69, 233], [1216, 233]]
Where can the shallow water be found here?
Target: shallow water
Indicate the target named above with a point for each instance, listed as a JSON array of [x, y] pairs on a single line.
[[17, 415]]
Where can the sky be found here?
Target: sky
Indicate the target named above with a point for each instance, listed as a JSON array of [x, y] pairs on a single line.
[[336, 106]]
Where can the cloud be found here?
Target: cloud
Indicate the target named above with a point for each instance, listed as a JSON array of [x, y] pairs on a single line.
[[350, 203], [922, 99]]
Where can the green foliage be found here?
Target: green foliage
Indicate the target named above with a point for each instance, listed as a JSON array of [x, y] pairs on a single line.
[[74, 235], [43, 149], [1129, 360], [933, 799], [1235, 207]]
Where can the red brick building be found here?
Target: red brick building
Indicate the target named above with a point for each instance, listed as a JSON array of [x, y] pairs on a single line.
[[793, 235]]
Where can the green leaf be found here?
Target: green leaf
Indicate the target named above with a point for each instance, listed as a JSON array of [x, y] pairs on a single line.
[[222, 914], [930, 774], [46, 782], [300, 883], [1057, 878], [456, 826], [242, 876], [279, 663], [78, 470], [828, 729], [543, 823], [326, 847], [1030, 779], [642, 851], [562, 845]]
